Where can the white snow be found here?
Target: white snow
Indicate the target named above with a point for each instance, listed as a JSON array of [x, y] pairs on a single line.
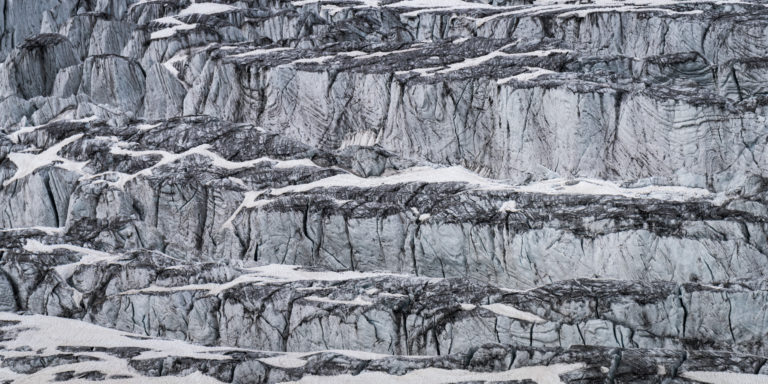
[[438, 5], [250, 200], [512, 312], [206, 9], [586, 12], [282, 272], [273, 273], [509, 206], [363, 3], [288, 360], [170, 31], [416, 174], [458, 174], [314, 60], [296, 359], [356, 302], [14, 137], [45, 334], [479, 60], [258, 52], [507, 311], [48, 230], [89, 256], [169, 20], [169, 65], [212, 288], [531, 74], [385, 53], [85, 119], [583, 186], [283, 164], [475, 61], [567, 9], [147, 127], [28, 163], [50, 332], [725, 377], [390, 294], [202, 150], [540, 374]]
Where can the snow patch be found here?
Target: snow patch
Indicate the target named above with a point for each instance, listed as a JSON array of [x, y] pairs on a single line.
[[282, 272], [411, 175], [531, 74], [206, 9], [438, 5], [89, 256], [147, 127], [287, 361], [475, 61], [273, 273], [28, 163], [540, 374], [509, 206], [512, 312], [259, 52], [204, 151], [49, 333], [725, 377], [358, 301], [170, 64], [171, 31], [583, 186]]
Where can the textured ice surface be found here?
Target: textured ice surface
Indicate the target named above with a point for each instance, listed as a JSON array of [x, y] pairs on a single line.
[[542, 191]]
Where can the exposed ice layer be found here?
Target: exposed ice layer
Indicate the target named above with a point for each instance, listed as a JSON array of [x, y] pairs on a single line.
[[502, 187]]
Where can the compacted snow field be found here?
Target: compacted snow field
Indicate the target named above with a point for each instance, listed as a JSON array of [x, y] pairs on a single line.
[[375, 191]]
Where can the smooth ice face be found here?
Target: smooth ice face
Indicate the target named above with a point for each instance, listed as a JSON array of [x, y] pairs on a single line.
[[421, 191]]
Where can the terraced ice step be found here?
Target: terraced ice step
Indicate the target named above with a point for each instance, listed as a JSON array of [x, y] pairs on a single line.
[[384, 191]]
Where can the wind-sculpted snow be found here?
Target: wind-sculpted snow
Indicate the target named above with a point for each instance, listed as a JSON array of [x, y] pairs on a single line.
[[541, 191]]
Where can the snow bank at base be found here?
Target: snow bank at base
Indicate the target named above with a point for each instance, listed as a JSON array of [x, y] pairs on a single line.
[[725, 377], [47, 334], [539, 374]]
